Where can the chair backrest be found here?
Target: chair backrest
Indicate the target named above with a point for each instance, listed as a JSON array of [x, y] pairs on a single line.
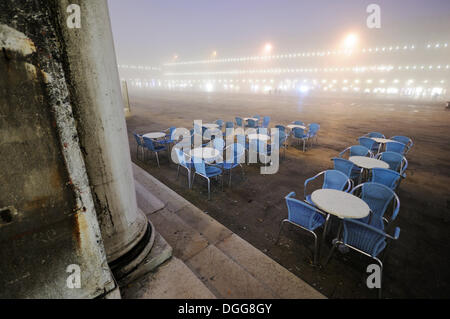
[[181, 157], [299, 132], [171, 132], [396, 147], [335, 179], [314, 128], [375, 135], [359, 150], [378, 197], [238, 152], [299, 212], [395, 160], [366, 238], [257, 117], [200, 166], [229, 125], [367, 142], [252, 123], [219, 144], [138, 139], [149, 143], [386, 177], [220, 123], [239, 121], [343, 165], [266, 121], [298, 123], [281, 128]]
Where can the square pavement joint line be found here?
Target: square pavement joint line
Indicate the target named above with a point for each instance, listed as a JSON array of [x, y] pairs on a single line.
[[222, 262]]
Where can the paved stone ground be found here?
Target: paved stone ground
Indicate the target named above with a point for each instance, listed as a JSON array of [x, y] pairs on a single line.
[[417, 265]]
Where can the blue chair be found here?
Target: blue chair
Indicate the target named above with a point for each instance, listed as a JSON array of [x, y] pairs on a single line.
[[304, 216], [281, 128], [397, 162], [365, 239], [169, 137], [378, 197], [333, 179], [375, 135], [348, 168], [266, 121], [370, 144], [237, 157], [239, 121], [299, 135], [220, 123], [396, 147], [386, 177], [228, 125], [206, 171], [356, 150], [284, 142], [154, 147], [139, 144], [405, 140], [219, 145], [313, 132], [187, 164]]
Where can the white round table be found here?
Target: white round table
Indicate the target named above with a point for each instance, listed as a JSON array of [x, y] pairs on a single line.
[[207, 153], [210, 126], [251, 118], [368, 162], [293, 126], [155, 135], [340, 204], [260, 137], [381, 140]]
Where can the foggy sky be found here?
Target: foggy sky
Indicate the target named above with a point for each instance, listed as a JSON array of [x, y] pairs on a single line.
[[150, 32]]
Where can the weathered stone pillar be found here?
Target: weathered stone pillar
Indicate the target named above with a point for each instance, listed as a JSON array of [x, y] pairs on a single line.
[[95, 90]]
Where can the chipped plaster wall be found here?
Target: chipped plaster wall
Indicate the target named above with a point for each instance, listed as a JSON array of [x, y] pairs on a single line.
[[53, 222]]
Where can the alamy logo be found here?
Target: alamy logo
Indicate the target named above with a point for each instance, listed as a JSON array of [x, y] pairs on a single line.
[[374, 279], [74, 19], [74, 280], [374, 19]]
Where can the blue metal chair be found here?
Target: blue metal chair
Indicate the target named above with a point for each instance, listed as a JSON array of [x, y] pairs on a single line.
[[333, 179], [284, 141], [239, 121], [219, 145], [356, 150], [405, 140], [365, 239], [266, 121], [206, 171], [370, 144], [375, 135], [397, 162], [228, 125], [396, 147], [348, 168], [139, 144], [378, 197], [386, 177], [237, 152], [169, 137], [154, 147], [313, 132], [299, 135], [281, 128], [252, 124], [187, 164], [306, 217]]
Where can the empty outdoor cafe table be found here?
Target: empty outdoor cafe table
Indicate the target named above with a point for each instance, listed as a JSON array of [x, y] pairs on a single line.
[[155, 135], [367, 163], [339, 204], [251, 118], [294, 126]]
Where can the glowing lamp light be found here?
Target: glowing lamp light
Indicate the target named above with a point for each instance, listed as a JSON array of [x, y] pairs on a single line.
[[350, 41], [268, 48]]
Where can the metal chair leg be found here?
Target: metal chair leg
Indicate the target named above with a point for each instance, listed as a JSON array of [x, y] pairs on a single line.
[[189, 179], [316, 248], [331, 253], [209, 189], [178, 172], [157, 159]]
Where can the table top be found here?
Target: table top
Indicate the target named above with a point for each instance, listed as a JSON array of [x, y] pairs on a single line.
[[210, 125], [292, 126], [250, 118], [260, 137], [155, 135], [340, 204], [381, 140], [368, 162], [205, 153]]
